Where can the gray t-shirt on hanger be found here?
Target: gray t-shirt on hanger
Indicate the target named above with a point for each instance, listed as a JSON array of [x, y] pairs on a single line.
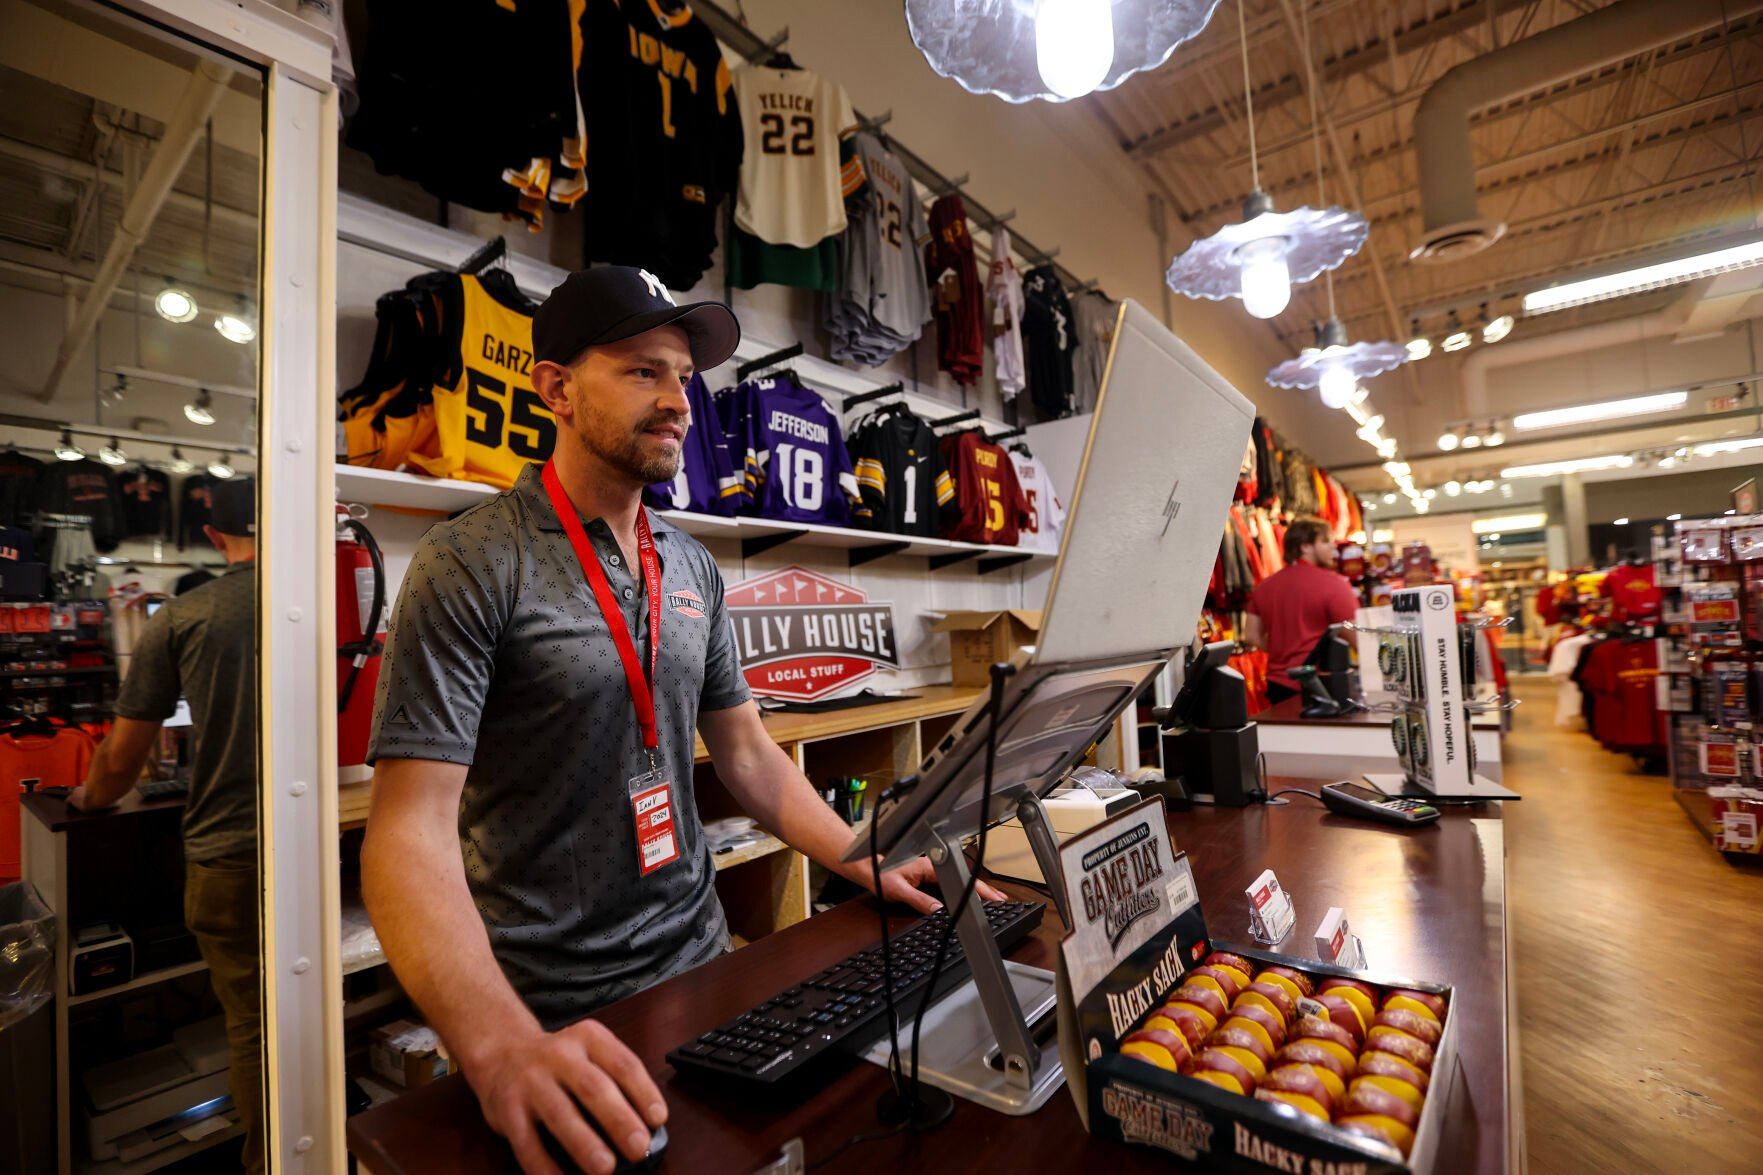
[[202, 646], [498, 658]]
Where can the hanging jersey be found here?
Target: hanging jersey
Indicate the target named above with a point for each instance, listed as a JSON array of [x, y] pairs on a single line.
[[956, 295], [1046, 514], [793, 186], [195, 508], [18, 486], [1049, 336], [664, 137], [488, 422], [797, 468], [991, 506], [895, 230], [146, 504], [706, 482], [1005, 288], [903, 486]]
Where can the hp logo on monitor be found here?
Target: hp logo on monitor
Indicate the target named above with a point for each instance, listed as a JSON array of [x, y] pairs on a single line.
[[1170, 508]]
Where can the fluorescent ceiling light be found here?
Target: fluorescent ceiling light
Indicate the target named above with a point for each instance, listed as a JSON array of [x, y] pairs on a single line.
[[1643, 277], [1508, 522], [1576, 465], [1713, 447], [1621, 522], [1673, 517], [1604, 410]]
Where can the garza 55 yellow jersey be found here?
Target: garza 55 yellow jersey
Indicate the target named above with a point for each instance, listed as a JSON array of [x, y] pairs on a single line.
[[488, 421]]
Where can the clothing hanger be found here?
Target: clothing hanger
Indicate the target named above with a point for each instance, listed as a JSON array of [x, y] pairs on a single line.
[[781, 60]]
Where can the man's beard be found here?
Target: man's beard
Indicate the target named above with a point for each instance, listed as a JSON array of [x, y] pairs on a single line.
[[623, 451]]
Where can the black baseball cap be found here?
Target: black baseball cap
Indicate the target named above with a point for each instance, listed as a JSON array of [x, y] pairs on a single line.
[[235, 506], [613, 302]]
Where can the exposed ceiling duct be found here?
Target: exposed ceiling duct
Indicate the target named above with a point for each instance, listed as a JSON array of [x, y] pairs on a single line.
[[1451, 225]]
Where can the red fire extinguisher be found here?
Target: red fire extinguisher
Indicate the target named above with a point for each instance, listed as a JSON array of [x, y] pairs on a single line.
[[361, 630]]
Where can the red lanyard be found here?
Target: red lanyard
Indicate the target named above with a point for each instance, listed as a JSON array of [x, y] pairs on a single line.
[[642, 695]]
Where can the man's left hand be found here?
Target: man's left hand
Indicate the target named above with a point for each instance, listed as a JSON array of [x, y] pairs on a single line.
[[905, 885]]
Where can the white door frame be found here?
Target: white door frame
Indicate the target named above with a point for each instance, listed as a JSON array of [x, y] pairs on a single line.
[[297, 733]]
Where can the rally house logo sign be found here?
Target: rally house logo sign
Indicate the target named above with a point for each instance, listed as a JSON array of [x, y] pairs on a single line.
[[804, 637]]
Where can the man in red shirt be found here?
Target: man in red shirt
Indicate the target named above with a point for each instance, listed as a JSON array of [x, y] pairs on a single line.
[[1292, 609]]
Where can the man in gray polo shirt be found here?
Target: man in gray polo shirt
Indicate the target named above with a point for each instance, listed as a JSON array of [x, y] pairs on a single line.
[[533, 851], [202, 647]]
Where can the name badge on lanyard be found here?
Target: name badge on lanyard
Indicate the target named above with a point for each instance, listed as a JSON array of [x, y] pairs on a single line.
[[651, 792]]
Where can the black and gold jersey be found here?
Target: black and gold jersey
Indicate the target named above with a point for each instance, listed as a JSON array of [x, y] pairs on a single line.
[[664, 135], [489, 423]]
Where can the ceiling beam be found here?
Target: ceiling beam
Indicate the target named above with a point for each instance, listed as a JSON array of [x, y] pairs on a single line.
[[1291, 88], [1738, 29], [1303, 181]]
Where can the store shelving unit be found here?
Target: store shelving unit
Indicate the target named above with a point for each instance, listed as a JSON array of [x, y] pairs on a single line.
[[379, 487]]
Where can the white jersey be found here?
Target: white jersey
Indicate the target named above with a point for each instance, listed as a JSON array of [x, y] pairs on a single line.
[[793, 187], [1046, 514], [1005, 288]]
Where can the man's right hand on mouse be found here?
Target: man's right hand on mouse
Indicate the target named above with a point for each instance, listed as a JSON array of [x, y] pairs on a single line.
[[554, 1079]]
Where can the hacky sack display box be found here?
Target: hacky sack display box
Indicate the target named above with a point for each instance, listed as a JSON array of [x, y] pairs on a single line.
[[1139, 938]]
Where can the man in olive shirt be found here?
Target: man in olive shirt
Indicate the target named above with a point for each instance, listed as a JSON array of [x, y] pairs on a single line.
[[515, 877], [202, 647]]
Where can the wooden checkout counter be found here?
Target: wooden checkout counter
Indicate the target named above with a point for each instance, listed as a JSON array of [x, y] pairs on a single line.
[[1428, 903]]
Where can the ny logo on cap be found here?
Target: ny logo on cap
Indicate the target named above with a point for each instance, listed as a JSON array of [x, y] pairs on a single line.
[[656, 289]]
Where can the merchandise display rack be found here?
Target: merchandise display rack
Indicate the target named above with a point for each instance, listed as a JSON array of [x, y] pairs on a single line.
[[1711, 573]]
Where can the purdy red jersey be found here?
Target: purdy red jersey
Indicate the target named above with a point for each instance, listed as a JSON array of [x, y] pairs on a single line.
[[993, 508]]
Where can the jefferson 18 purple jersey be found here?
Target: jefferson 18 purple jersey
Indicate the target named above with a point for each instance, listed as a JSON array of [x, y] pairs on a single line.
[[796, 464]]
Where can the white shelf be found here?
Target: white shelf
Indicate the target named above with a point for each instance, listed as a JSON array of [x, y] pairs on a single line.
[[158, 1159], [383, 487], [380, 487], [138, 982], [365, 962]]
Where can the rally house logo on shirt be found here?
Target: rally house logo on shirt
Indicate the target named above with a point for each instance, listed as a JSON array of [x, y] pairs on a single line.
[[687, 603], [804, 637]]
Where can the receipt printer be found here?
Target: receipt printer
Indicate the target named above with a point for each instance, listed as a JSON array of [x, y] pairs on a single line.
[[1071, 809]]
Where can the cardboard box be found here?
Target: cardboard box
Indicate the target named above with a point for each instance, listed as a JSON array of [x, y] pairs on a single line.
[[407, 1054], [979, 640]]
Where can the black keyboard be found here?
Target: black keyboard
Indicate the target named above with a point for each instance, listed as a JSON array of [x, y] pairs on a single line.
[[842, 1009], [163, 789]]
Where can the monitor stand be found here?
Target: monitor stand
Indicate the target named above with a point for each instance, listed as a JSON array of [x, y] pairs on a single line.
[[976, 1042]]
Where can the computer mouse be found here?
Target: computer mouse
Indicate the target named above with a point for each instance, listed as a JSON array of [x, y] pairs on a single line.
[[649, 1162]]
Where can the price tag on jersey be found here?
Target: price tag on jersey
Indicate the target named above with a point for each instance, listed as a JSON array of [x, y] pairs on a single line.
[[653, 816]]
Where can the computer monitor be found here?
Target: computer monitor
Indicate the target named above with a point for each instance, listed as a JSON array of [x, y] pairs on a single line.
[[1153, 487], [1155, 481]]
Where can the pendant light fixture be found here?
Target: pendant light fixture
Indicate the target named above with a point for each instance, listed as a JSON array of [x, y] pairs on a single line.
[[201, 409], [1260, 258], [179, 462], [112, 454], [1055, 50], [66, 450], [1334, 367], [220, 467]]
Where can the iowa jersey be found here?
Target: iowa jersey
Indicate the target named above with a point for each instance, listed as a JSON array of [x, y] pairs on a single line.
[[664, 137], [488, 422], [903, 485]]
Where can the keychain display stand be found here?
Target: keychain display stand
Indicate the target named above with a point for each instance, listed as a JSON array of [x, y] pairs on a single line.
[[1421, 659]]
